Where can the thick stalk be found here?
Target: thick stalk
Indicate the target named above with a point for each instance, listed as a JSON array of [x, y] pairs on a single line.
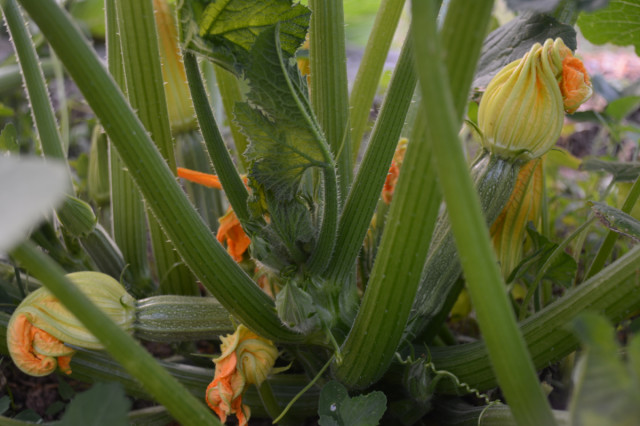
[[377, 330], [329, 92], [205, 256], [365, 191], [128, 221], [510, 358], [145, 89], [122, 347], [370, 69]]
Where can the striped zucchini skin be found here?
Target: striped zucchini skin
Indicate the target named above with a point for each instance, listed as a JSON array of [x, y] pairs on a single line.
[[181, 318], [495, 179]]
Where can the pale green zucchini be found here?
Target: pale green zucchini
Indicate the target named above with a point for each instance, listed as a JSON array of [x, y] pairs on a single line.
[[173, 318]]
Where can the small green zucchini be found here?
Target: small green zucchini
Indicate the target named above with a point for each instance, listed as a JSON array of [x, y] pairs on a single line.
[[181, 318], [494, 178]]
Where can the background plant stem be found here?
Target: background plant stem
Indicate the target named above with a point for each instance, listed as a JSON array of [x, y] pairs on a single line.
[[370, 69]]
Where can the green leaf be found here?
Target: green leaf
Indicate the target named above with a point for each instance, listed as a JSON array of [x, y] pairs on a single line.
[[616, 220], [103, 404], [225, 30], [8, 138], [6, 111], [620, 108], [617, 24], [296, 309], [28, 415], [364, 410], [335, 407], [284, 136], [29, 188], [605, 390], [512, 40], [621, 171], [561, 271]]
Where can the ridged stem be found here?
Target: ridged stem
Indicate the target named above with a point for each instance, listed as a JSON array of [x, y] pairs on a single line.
[[122, 347], [205, 256], [370, 69], [145, 90], [510, 358], [329, 91], [365, 191], [128, 221]]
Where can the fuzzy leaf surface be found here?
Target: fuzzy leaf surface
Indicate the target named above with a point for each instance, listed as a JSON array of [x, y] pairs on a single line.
[[284, 136], [225, 30]]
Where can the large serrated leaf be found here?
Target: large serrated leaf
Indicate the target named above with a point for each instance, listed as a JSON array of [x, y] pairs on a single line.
[[621, 171], [617, 220], [337, 408], [617, 24], [512, 40], [605, 389], [550, 5], [225, 30], [284, 137]]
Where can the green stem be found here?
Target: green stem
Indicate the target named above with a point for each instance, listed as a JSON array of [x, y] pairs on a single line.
[[36, 89], [124, 349], [365, 191], [613, 291], [607, 245], [128, 221], [205, 256], [510, 358], [234, 188], [370, 345], [329, 92], [146, 93], [323, 250], [269, 401], [370, 69]]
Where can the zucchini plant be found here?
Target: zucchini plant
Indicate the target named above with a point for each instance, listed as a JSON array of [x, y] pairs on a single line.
[[242, 209]]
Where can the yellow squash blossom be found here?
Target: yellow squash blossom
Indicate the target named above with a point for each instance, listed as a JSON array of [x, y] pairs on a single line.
[[522, 111], [246, 359], [230, 230], [524, 206], [41, 327]]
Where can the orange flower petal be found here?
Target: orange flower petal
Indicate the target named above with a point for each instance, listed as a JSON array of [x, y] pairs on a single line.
[[575, 85], [231, 231], [205, 179], [34, 359]]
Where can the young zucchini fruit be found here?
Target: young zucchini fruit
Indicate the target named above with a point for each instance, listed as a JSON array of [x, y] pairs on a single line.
[[180, 318]]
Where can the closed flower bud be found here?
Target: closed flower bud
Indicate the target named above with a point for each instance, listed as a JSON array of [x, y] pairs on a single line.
[[522, 111], [41, 327]]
